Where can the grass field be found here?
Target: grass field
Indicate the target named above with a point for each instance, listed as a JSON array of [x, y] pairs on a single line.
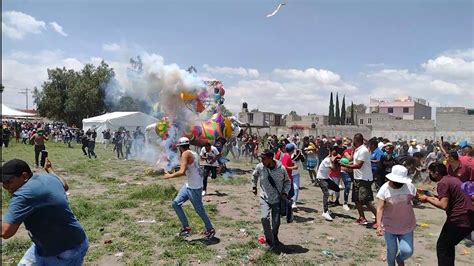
[[110, 196]]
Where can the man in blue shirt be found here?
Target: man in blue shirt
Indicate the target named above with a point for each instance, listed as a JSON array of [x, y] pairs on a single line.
[[40, 202], [375, 155]]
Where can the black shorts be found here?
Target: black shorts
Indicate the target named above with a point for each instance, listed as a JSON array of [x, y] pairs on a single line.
[[362, 191]]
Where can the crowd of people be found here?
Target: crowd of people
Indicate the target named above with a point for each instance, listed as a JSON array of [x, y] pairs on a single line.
[[362, 167], [366, 170], [36, 133]]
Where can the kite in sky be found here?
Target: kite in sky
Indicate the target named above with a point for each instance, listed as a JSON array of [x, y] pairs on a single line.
[[276, 10]]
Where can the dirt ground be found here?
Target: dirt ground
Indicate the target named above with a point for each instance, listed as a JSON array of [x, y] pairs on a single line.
[[309, 235]]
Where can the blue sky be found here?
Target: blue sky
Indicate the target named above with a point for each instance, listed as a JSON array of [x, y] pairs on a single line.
[[370, 48]]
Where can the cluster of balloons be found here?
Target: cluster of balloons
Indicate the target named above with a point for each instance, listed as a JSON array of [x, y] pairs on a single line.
[[196, 101], [199, 100], [161, 128]]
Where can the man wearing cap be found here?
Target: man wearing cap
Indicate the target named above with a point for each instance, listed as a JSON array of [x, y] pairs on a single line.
[[395, 216], [414, 147], [459, 211], [40, 202], [275, 185], [311, 161], [192, 190]]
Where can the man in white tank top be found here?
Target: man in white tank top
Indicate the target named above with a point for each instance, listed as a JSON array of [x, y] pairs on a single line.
[[191, 190]]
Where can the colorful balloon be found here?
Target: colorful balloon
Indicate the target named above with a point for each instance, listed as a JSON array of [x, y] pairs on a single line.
[[161, 128], [344, 161], [188, 96]]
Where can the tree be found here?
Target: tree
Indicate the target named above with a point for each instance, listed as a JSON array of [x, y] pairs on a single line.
[[293, 113], [128, 103], [331, 111], [359, 108], [70, 95], [343, 111], [352, 114], [337, 120]]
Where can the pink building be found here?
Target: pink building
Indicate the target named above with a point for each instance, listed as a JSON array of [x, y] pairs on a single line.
[[406, 107]]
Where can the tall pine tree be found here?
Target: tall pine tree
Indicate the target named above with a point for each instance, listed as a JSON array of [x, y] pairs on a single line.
[[338, 112], [352, 114], [331, 111], [343, 110]]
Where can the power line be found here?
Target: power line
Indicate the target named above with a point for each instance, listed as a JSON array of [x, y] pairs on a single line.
[[25, 91]]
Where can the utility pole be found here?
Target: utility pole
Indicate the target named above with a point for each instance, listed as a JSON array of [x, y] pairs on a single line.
[[25, 91]]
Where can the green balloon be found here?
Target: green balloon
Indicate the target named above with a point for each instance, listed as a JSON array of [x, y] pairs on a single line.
[[344, 161]]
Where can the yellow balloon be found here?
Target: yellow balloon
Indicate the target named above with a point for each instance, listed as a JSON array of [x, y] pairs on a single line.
[[187, 96]]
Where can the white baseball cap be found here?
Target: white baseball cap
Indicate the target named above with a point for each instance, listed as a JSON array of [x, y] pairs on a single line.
[[183, 141]]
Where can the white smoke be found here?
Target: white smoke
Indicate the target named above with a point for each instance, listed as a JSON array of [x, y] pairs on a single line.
[[159, 85]]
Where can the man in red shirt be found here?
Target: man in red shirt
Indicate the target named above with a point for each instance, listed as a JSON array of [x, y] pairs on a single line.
[[459, 211], [286, 159], [289, 165], [461, 167]]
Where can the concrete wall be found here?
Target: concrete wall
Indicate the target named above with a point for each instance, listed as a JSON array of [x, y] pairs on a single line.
[[369, 119], [454, 119], [306, 120], [330, 131], [422, 111], [425, 129], [260, 118]]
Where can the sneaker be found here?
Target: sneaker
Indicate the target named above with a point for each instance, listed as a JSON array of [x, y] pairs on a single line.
[[209, 233], [346, 207], [203, 193], [293, 206], [360, 221], [185, 232], [326, 216]]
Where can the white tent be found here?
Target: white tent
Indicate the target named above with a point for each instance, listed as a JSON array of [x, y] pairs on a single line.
[[113, 121], [10, 112]]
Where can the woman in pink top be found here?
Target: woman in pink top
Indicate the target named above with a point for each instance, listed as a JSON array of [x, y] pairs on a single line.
[[395, 215]]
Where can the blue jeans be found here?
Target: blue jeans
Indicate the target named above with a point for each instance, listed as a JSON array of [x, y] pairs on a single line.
[[71, 257], [346, 179], [195, 196], [393, 242], [296, 187]]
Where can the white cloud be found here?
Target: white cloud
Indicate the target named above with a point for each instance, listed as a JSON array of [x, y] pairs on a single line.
[[290, 89], [311, 74], [110, 47], [232, 72], [16, 25], [28, 70], [450, 67], [444, 80], [467, 54], [58, 28]]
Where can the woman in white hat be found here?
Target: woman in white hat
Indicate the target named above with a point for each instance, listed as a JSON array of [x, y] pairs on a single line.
[[395, 215]]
